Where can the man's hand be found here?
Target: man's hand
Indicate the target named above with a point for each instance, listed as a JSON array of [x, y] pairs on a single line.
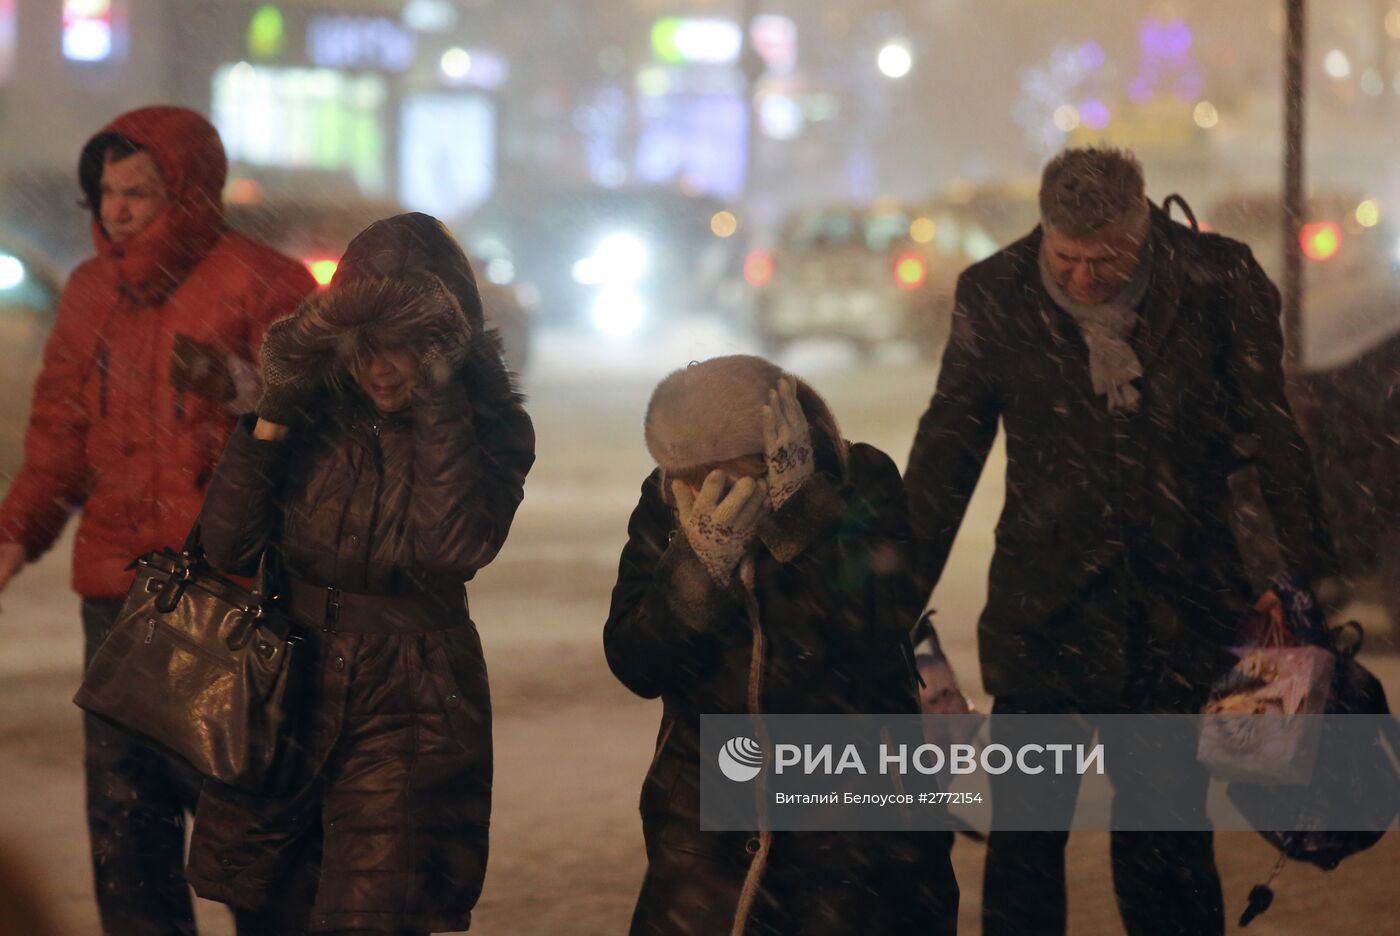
[[720, 524], [11, 561], [787, 443]]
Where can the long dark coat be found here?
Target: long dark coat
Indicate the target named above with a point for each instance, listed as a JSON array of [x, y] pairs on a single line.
[[378, 520], [1102, 508], [822, 631]]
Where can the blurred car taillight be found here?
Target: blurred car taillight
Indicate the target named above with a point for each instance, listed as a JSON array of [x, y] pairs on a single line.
[[322, 269], [910, 271], [1320, 240], [758, 268]]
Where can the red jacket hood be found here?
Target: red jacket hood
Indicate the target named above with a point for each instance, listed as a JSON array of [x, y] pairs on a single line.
[[194, 167]]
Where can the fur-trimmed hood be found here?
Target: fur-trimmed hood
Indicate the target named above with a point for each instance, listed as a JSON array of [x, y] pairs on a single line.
[[403, 282]]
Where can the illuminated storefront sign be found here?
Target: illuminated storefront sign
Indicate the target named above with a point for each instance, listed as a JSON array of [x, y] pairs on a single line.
[[678, 40], [304, 118], [360, 42]]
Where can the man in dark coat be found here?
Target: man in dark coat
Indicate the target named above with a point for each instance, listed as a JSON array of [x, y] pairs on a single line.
[[1126, 357]]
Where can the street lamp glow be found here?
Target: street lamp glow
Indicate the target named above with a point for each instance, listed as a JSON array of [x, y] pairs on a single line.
[[1205, 115], [1368, 213], [895, 60], [1337, 64], [1066, 118], [456, 64]]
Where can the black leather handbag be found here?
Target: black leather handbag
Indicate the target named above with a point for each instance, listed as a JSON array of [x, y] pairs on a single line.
[[202, 668]]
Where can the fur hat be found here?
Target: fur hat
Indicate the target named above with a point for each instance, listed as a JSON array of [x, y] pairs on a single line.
[[710, 412]]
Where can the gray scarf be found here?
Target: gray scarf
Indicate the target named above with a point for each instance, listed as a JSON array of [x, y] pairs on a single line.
[[1113, 364]]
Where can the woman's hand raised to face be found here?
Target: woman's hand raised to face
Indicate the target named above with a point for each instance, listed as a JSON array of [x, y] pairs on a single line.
[[720, 521], [289, 387], [787, 443]]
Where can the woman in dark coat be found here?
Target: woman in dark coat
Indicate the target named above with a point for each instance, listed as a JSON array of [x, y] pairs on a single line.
[[764, 572], [384, 470]]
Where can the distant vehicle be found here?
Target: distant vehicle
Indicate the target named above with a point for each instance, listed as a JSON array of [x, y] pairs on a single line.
[[620, 262], [1351, 298], [1006, 210], [866, 275], [316, 232], [29, 290]]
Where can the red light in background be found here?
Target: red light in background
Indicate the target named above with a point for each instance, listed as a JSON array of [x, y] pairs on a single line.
[[758, 268], [1320, 240], [322, 269], [910, 271]]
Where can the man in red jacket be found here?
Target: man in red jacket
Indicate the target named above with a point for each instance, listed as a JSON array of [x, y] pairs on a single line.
[[141, 380]]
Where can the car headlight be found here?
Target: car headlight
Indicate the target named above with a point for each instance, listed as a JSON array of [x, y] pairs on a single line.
[[618, 259], [618, 312], [11, 271]]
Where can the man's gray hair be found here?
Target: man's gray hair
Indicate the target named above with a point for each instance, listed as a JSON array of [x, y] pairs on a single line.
[[1084, 191]]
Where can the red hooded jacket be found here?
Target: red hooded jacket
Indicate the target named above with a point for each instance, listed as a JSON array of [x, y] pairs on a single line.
[[108, 432]]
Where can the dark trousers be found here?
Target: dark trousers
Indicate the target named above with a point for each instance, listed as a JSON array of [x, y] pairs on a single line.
[[136, 805], [1166, 882]]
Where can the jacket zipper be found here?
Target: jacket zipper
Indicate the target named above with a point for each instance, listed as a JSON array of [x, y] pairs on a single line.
[[153, 624]]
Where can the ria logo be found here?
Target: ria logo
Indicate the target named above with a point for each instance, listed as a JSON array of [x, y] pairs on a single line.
[[741, 759]]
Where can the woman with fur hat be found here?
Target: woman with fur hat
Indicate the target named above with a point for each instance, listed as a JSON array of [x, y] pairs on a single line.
[[384, 469], [765, 573]]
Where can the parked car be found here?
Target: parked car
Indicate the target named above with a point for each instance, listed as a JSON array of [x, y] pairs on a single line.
[[865, 274], [619, 262], [317, 232], [29, 290]]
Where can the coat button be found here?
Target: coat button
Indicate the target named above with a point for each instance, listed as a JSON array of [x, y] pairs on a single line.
[[751, 846], [128, 450], [452, 699], [353, 540], [340, 664]]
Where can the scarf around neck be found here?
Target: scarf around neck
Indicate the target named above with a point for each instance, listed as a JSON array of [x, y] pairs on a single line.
[[1113, 364]]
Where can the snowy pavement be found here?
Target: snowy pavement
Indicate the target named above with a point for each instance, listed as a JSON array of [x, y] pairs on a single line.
[[571, 744]]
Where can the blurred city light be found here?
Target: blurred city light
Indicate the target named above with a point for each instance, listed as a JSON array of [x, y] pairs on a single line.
[[267, 32], [1205, 115], [758, 268], [1066, 117], [1320, 240], [87, 30], [1337, 64], [895, 60], [724, 224], [618, 312], [1372, 83], [781, 117], [500, 271], [910, 271], [679, 40], [1392, 24], [922, 230], [1368, 213], [11, 271], [322, 270], [456, 64], [619, 258], [429, 16], [1093, 114]]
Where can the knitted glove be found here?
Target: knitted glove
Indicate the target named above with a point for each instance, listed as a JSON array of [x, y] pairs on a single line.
[[289, 387], [787, 443], [447, 352], [720, 524]]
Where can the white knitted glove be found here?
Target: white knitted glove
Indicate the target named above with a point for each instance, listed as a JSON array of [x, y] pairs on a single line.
[[787, 443], [720, 523]]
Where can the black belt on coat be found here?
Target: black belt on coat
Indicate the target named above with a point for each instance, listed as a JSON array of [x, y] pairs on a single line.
[[330, 609]]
